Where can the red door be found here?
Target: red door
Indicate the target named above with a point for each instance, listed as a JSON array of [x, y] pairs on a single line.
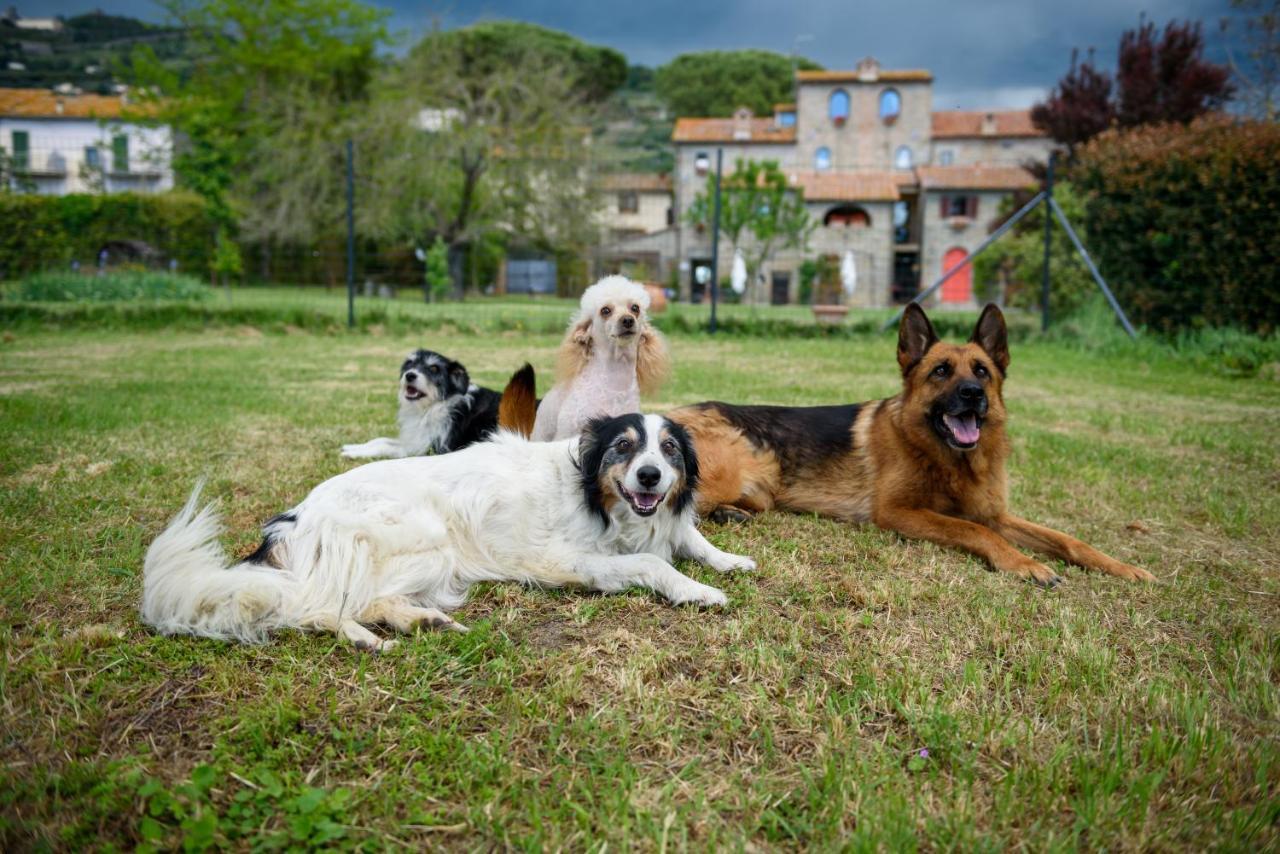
[[958, 288]]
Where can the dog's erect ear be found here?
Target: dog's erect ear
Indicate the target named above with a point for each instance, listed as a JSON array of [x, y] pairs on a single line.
[[990, 334], [915, 337]]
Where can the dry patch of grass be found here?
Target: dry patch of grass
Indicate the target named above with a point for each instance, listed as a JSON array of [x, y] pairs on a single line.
[[860, 690]]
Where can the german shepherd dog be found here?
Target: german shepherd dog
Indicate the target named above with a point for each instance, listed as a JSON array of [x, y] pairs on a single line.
[[928, 463]]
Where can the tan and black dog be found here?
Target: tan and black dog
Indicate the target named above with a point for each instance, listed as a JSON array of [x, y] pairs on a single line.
[[928, 463]]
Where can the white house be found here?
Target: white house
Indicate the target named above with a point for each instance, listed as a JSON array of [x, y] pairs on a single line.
[[76, 143]]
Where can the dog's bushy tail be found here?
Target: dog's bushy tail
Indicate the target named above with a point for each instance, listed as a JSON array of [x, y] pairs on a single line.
[[518, 408], [189, 588]]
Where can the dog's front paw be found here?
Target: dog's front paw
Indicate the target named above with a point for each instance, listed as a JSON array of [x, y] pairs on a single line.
[[1131, 572], [355, 452], [694, 593], [726, 562]]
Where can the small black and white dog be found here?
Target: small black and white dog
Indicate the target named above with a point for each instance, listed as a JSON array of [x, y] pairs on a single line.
[[400, 542], [441, 410]]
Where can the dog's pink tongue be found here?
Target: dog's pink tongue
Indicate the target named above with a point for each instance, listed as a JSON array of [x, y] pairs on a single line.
[[964, 428]]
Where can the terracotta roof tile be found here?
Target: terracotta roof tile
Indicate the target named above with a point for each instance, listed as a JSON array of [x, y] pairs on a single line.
[[906, 75], [640, 181], [850, 186], [41, 103], [753, 130], [961, 123], [974, 177]]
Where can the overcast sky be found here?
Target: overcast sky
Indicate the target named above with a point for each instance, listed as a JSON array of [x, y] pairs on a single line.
[[1001, 53]]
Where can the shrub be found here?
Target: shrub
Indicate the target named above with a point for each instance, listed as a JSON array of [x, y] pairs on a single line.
[[43, 232], [128, 285], [1183, 221]]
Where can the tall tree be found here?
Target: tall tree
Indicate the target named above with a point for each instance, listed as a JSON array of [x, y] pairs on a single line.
[[717, 82], [760, 212], [1257, 72], [469, 152], [1079, 107], [1160, 77]]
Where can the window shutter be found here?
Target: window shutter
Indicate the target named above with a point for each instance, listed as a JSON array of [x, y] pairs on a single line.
[[21, 149], [946, 206], [972, 207], [120, 153]]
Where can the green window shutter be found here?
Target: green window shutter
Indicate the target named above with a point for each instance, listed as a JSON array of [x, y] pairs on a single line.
[[120, 153], [21, 150]]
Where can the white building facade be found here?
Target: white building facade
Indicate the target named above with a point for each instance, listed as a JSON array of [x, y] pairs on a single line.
[[75, 143]]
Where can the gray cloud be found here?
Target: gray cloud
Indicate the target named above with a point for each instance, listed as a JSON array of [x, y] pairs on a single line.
[[998, 53]]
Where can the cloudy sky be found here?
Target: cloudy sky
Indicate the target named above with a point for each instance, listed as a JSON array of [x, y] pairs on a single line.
[[997, 53]]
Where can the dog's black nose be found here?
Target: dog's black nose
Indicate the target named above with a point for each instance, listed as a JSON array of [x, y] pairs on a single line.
[[649, 476], [410, 376], [970, 392], [628, 321]]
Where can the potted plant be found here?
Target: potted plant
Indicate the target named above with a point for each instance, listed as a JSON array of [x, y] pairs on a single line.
[[828, 305]]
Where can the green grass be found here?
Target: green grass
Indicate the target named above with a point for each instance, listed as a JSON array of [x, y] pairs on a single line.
[[133, 285], [1102, 714]]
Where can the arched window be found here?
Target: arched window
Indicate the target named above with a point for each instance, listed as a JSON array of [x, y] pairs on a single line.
[[946, 157], [822, 159], [902, 157], [890, 105], [847, 216], [838, 106]]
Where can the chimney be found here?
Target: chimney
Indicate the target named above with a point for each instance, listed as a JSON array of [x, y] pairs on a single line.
[[868, 69], [58, 106], [989, 124], [742, 123]]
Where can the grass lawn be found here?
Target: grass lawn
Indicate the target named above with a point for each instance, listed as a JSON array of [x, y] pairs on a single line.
[[859, 690]]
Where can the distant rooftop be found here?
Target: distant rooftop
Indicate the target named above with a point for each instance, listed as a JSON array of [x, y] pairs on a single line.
[[44, 104], [957, 124]]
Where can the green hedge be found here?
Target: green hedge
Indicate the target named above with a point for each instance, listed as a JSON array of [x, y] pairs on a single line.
[[1184, 222], [49, 232], [115, 286]]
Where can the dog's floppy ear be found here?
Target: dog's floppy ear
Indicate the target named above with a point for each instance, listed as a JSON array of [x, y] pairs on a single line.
[[991, 335], [915, 337], [459, 379], [652, 362], [690, 455], [591, 448], [575, 350]]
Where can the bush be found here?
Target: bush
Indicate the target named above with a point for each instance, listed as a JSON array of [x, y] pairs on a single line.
[[130, 285], [43, 232], [1020, 257], [1183, 221]]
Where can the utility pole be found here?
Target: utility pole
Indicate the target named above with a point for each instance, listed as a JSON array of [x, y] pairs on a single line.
[[1048, 236], [715, 242], [351, 236]]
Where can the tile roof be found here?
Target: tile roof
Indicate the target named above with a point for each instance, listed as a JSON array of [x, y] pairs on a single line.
[[850, 186], [906, 75], [41, 103], [641, 181], [784, 108], [753, 130], [962, 123], [974, 177]]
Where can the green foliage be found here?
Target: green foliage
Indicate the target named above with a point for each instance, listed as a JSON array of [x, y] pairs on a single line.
[[1183, 222], [759, 212], [131, 285], [52, 231], [489, 47], [226, 263], [717, 82], [437, 272], [1018, 259]]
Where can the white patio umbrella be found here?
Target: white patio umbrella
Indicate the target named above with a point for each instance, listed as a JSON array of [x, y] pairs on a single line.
[[738, 278], [848, 274]]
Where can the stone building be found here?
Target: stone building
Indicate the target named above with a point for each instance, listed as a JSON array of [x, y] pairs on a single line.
[[906, 190]]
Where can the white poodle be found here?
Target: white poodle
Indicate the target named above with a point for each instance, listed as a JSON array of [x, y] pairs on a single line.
[[608, 357]]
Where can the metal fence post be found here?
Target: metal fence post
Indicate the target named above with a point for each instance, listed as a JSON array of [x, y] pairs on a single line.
[[715, 243], [351, 236], [1048, 237]]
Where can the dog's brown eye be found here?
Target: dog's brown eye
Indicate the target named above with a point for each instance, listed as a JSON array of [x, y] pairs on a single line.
[[668, 447], [623, 445], [942, 370], [635, 309], [979, 371], [606, 311]]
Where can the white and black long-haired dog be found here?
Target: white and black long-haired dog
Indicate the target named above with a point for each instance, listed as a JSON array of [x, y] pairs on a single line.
[[399, 542], [441, 410]]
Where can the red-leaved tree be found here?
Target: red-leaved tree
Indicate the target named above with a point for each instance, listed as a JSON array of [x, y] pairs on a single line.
[[1160, 77]]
